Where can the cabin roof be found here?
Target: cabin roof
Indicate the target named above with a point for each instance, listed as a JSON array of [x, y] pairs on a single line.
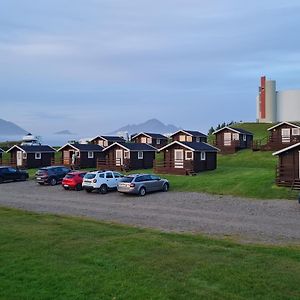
[[152, 135], [234, 129], [1, 150], [109, 138], [133, 146], [83, 147], [190, 132], [193, 146], [286, 149], [33, 148], [293, 124]]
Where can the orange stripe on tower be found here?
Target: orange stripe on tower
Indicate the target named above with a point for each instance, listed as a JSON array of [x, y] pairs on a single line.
[[263, 97]]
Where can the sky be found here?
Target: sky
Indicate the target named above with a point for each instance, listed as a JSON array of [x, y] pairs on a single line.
[[92, 66]]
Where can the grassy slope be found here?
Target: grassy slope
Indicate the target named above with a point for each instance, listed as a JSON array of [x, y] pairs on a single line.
[[50, 257]]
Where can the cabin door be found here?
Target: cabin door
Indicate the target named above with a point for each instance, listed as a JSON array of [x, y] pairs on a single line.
[[119, 157], [19, 158], [227, 139], [286, 135], [178, 161]]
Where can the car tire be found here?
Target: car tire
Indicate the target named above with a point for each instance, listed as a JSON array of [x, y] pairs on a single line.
[[165, 187], [103, 189], [53, 181], [41, 183], [142, 191], [88, 191], [66, 188], [78, 187]]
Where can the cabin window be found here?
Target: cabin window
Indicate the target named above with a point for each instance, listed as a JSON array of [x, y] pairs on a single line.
[[188, 155], [189, 138], [77, 154], [38, 155], [105, 143], [158, 141], [244, 137], [143, 140], [295, 131], [90, 154], [101, 143], [235, 137], [181, 138], [24, 155], [149, 140], [126, 154], [202, 155], [198, 140], [140, 155]]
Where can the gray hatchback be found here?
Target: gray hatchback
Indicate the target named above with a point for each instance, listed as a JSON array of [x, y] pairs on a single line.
[[141, 184]]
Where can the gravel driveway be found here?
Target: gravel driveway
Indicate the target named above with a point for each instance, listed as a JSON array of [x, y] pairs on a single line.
[[270, 221]]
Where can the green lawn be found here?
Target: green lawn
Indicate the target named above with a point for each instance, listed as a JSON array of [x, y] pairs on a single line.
[[51, 257]]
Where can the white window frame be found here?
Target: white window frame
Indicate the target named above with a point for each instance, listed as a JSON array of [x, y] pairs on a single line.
[[77, 154], [187, 158], [140, 156], [235, 136], [295, 131], [202, 155], [144, 140], [149, 140], [90, 154], [24, 155], [158, 142], [189, 138], [37, 155], [244, 137], [126, 154], [182, 138]]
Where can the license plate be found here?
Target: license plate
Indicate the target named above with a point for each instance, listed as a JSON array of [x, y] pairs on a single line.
[[65, 185], [38, 178]]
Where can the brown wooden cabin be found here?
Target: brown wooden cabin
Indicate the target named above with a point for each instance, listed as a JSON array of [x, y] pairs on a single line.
[[186, 158], [86, 155], [31, 156], [127, 156], [230, 140], [106, 140], [1, 154], [157, 140], [282, 135], [191, 136], [288, 171]]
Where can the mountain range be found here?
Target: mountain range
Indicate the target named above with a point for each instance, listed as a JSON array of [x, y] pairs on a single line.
[[152, 125], [9, 128]]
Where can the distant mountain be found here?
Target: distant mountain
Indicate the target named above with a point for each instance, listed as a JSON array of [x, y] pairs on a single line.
[[64, 132], [9, 128], [153, 126]]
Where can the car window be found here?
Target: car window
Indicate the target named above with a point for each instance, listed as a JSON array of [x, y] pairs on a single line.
[[142, 178], [109, 175], [117, 175], [127, 179], [89, 176], [3, 170], [12, 170], [65, 170], [82, 175], [154, 177], [101, 175]]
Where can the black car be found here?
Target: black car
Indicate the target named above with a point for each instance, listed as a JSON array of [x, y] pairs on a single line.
[[51, 175], [12, 174]]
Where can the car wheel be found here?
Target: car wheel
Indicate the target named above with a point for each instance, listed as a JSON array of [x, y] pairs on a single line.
[[88, 191], [41, 183], [142, 191], [66, 188], [53, 181], [165, 187], [78, 187], [103, 189]]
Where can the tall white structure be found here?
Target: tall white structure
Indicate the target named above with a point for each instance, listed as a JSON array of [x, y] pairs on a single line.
[[276, 106]]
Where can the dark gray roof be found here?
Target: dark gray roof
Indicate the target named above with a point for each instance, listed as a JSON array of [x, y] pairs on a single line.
[[155, 135], [36, 148], [243, 131], [200, 146], [112, 138], [192, 132], [137, 146], [88, 147]]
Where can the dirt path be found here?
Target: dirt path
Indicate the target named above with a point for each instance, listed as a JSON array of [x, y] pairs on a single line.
[[270, 221]]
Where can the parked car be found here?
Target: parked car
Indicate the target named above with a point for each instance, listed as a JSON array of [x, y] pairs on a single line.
[[141, 184], [73, 180], [12, 174], [51, 175], [101, 181]]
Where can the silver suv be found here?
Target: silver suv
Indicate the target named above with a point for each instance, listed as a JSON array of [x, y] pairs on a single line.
[[141, 184], [101, 181]]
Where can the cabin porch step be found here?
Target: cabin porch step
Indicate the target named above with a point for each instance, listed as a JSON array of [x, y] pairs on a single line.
[[296, 185], [191, 173]]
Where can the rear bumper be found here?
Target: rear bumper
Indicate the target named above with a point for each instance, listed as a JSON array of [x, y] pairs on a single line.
[[126, 190]]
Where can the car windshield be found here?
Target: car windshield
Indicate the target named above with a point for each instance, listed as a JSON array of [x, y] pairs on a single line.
[[90, 176], [70, 176], [127, 179]]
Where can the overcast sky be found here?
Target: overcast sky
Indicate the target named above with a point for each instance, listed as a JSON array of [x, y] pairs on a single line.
[[96, 65]]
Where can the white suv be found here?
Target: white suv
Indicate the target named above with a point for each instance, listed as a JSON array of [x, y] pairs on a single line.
[[101, 181]]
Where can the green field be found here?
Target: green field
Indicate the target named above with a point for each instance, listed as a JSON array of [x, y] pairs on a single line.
[[51, 257]]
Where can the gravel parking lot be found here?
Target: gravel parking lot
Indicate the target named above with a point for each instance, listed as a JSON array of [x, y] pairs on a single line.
[[269, 221]]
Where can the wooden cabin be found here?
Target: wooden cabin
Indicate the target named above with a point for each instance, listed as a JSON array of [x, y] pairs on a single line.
[[288, 170], [127, 156], [190, 136], [31, 156], [186, 158], [1, 154], [106, 140], [86, 155], [282, 135], [157, 140], [230, 139]]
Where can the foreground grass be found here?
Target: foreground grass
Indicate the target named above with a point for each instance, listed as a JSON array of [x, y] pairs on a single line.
[[51, 257]]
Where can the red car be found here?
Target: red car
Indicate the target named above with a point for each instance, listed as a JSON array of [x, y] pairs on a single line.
[[73, 180]]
